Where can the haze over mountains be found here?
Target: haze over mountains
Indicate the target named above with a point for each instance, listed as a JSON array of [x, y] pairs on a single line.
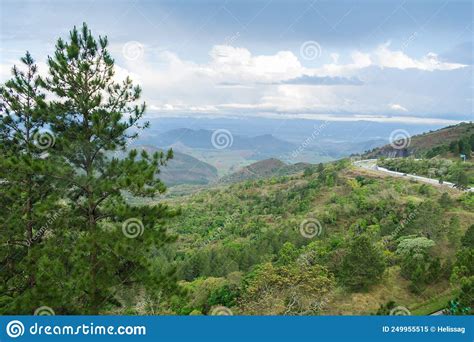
[[263, 145], [183, 169], [255, 148], [294, 131]]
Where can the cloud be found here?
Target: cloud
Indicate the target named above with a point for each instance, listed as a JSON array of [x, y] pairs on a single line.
[[237, 67], [231, 64], [387, 58], [397, 107], [359, 60], [234, 85], [323, 80], [6, 69], [182, 108], [234, 81], [323, 117], [301, 80], [383, 57], [5, 72]]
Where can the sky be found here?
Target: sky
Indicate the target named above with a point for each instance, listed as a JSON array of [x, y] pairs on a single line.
[[383, 61]]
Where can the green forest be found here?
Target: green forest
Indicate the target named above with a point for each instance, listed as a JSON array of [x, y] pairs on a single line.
[[86, 232], [332, 240]]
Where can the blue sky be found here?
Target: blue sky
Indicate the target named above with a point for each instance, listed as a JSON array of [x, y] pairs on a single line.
[[387, 61]]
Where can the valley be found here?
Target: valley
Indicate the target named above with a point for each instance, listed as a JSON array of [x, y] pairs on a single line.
[[359, 238]]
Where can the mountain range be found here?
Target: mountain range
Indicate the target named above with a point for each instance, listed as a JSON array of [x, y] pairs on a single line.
[[262, 145], [267, 156]]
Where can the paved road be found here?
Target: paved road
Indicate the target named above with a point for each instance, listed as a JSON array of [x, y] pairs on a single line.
[[371, 164], [438, 313]]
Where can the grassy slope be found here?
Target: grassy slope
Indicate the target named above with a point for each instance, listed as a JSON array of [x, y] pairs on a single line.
[[422, 143], [239, 207]]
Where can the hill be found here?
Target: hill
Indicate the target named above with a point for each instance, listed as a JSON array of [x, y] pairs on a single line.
[[442, 142], [264, 169], [184, 169], [256, 245]]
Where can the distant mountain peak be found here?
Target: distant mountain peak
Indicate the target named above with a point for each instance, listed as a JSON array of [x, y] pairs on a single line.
[[262, 146]]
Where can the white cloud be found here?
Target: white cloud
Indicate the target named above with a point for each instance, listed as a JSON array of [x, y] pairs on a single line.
[[334, 57], [383, 57], [180, 108], [6, 69], [231, 64], [398, 107], [233, 81], [122, 73], [5, 72], [359, 61], [232, 67], [399, 60]]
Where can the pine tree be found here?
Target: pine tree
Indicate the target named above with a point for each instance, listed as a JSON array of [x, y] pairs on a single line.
[[110, 242], [454, 147], [445, 201], [363, 265], [465, 147], [462, 182], [468, 239], [28, 198]]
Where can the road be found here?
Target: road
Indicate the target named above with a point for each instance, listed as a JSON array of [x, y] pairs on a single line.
[[371, 164]]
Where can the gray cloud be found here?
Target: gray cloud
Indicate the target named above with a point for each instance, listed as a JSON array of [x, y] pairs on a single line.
[[304, 80], [326, 80]]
